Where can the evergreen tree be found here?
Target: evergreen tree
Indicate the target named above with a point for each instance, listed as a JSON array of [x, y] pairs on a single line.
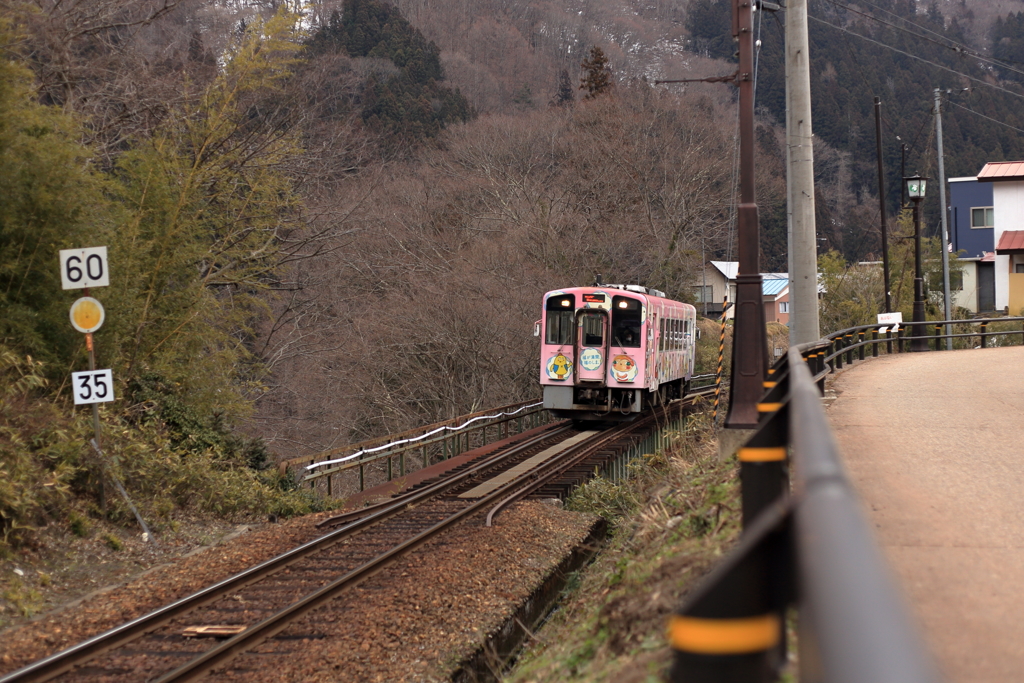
[[408, 106], [564, 96], [597, 76]]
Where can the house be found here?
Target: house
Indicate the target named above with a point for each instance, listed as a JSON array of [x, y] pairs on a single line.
[[1007, 179], [972, 235], [719, 281], [714, 285], [775, 294]]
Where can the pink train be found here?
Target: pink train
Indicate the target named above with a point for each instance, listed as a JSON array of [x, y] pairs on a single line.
[[613, 350]]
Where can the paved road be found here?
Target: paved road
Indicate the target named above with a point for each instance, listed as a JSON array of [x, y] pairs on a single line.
[[934, 443]]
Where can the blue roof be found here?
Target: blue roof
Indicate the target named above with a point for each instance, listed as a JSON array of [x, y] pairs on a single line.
[[773, 286]]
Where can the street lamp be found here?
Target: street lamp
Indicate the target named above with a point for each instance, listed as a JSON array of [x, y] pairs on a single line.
[[915, 190]]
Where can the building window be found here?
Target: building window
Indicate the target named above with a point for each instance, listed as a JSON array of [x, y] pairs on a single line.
[[982, 217], [783, 307], [704, 294]]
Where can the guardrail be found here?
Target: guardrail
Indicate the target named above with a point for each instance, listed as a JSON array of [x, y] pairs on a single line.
[[856, 339], [810, 548], [384, 456]]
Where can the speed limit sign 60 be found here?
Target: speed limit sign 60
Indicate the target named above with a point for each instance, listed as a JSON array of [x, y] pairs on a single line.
[[92, 386], [81, 268]]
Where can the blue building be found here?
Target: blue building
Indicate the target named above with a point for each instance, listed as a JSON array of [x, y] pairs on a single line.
[[972, 232], [972, 217]]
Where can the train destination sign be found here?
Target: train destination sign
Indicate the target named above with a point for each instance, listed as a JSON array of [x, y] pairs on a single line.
[[81, 268], [87, 315], [595, 298]]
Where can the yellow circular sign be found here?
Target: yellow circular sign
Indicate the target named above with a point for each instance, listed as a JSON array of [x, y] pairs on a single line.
[[87, 314]]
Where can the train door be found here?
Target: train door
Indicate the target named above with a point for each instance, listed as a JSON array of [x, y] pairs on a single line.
[[591, 345]]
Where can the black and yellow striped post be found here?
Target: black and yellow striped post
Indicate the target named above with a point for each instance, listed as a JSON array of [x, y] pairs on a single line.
[[764, 471], [732, 628], [764, 466], [721, 362]]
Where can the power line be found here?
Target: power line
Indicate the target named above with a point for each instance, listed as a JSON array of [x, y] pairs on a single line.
[[913, 56], [988, 118], [950, 44]]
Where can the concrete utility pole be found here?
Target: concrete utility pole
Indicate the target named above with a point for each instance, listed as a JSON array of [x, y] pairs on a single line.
[[945, 226], [750, 341], [803, 248]]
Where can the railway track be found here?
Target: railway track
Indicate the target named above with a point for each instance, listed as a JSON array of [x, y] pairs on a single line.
[[256, 611]]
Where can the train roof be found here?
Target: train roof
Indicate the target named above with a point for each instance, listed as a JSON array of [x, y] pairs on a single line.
[[646, 292]]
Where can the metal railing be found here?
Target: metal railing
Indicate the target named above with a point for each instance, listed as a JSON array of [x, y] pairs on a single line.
[[809, 547], [411, 450], [853, 343]]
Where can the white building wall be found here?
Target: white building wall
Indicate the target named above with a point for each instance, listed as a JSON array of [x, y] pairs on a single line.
[[1008, 207], [968, 296]]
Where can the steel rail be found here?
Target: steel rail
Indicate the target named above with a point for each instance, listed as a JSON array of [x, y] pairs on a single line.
[[61, 662], [610, 437], [554, 429], [268, 628]]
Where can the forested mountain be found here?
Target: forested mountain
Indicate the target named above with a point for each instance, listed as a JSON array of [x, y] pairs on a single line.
[[337, 222]]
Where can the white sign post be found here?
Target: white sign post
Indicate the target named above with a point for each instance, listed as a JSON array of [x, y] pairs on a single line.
[[82, 268]]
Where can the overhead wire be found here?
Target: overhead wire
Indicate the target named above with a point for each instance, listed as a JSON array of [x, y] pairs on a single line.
[[950, 44], [987, 118], [913, 56]]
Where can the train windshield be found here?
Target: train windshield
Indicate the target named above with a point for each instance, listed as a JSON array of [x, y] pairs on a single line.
[[626, 322], [561, 319]]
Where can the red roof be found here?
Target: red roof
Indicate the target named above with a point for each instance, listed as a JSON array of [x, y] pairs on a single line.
[[1011, 241], [1002, 170]]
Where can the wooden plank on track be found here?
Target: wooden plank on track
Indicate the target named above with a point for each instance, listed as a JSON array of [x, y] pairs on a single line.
[[525, 466]]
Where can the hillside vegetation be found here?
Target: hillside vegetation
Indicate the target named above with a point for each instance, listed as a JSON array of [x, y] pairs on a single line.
[[336, 225]]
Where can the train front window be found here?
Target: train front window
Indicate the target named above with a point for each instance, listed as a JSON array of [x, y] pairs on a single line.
[[561, 319], [626, 323], [560, 327], [592, 325]]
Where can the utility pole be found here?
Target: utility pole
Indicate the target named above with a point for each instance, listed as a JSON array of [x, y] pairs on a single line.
[[803, 248], [881, 204], [945, 227], [750, 343]]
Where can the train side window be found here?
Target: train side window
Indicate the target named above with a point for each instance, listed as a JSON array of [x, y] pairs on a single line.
[[661, 334]]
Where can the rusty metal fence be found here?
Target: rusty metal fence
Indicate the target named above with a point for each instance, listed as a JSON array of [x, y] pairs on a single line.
[[355, 466]]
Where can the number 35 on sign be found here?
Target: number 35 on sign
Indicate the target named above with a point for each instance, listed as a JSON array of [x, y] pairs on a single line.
[[92, 386]]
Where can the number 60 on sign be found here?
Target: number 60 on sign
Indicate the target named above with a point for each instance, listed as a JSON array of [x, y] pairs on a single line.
[[92, 386]]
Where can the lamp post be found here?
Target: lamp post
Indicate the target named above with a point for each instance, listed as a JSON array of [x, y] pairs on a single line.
[[915, 186]]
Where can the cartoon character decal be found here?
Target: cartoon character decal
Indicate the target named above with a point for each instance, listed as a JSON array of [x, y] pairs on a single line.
[[591, 359], [623, 368], [558, 367]]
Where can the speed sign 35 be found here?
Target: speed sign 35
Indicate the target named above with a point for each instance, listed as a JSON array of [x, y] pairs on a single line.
[[92, 386]]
